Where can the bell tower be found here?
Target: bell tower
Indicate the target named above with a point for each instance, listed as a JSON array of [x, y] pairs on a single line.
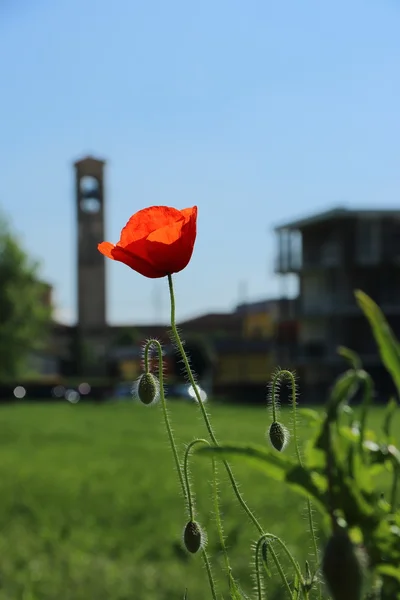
[[91, 277]]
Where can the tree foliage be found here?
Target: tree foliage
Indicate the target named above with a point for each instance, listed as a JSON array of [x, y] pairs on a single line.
[[24, 316]]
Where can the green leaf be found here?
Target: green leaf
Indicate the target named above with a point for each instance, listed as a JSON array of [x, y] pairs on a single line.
[[310, 415], [390, 411], [387, 343], [351, 356], [345, 387], [271, 462], [389, 571], [277, 466]]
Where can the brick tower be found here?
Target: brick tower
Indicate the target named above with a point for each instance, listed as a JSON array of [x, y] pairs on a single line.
[[91, 277]]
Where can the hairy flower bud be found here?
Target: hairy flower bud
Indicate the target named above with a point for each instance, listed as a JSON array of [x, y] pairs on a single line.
[[193, 537], [264, 552], [148, 388], [342, 567], [278, 435]]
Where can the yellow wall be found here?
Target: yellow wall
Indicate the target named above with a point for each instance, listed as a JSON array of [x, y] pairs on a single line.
[[130, 369], [244, 368], [258, 325]]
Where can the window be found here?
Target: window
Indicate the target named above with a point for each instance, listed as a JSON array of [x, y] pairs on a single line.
[[368, 241]]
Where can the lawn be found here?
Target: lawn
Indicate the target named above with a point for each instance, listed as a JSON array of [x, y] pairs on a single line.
[[90, 506]]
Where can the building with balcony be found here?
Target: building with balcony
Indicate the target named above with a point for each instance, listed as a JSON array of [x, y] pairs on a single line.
[[333, 253]]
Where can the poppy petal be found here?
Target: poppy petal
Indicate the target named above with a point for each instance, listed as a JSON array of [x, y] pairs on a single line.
[[144, 222], [171, 248], [134, 262], [106, 248], [156, 241]]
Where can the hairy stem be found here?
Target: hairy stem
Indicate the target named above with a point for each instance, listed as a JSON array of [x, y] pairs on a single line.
[[209, 574], [274, 538], [288, 375], [185, 488], [210, 431], [156, 344], [218, 518], [190, 500]]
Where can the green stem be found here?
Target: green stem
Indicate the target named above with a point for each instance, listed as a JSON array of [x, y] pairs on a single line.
[[274, 538], [200, 403], [210, 575], [281, 573], [288, 375], [157, 345], [190, 500], [367, 401], [218, 518], [274, 385], [185, 489]]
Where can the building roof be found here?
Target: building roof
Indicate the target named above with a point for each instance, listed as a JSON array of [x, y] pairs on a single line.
[[266, 305], [339, 213], [211, 321], [255, 307]]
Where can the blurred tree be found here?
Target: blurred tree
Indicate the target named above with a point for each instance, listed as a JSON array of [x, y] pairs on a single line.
[[24, 313]]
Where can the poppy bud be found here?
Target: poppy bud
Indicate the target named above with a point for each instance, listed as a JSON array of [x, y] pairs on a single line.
[[342, 567], [278, 435], [148, 388], [193, 537], [264, 552]]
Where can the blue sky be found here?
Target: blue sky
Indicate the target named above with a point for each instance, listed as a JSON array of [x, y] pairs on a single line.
[[256, 111]]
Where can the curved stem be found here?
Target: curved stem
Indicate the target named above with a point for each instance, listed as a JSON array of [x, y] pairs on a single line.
[[282, 375], [189, 372], [274, 538], [190, 500], [210, 576], [274, 385], [288, 375], [157, 345], [185, 489]]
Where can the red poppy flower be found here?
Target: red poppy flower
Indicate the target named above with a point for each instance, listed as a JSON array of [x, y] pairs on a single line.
[[156, 241]]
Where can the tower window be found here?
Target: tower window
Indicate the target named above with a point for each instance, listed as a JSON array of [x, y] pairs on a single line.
[[90, 205], [89, 185]]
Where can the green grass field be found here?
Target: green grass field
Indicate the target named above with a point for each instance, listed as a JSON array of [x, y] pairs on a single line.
[[90, 506]]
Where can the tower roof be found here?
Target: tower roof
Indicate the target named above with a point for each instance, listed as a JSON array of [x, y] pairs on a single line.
[[89, 161]]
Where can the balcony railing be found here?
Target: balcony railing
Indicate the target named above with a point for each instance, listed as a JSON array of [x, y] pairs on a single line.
[[288, 264], [300, 262]]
